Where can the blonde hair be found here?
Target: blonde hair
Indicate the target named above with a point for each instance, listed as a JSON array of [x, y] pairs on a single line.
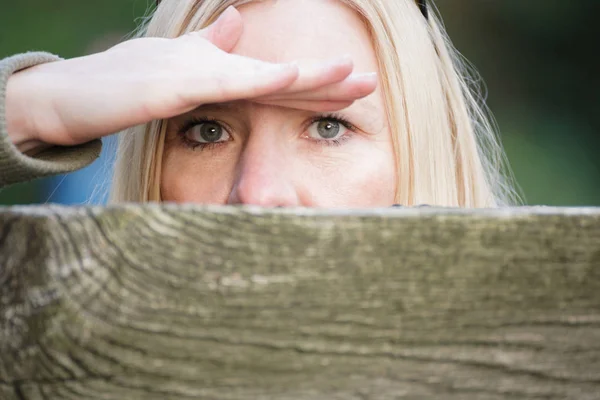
[[446, 149]]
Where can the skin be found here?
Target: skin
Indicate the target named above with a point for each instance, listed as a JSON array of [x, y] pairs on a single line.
[[80, 99], [269, 150]]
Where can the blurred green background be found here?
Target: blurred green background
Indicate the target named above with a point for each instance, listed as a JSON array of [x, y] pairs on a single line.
[[539, 59]]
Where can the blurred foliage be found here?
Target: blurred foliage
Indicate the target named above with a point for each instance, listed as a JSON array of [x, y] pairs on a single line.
[[539, 59], [69, 28]]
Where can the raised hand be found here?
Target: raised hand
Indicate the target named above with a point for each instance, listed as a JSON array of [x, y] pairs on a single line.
[[74, 101]]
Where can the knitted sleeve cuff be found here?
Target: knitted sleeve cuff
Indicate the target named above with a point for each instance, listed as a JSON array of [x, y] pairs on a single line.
[[18, 167]]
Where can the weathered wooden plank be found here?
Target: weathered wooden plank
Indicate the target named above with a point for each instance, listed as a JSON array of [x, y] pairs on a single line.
[[175, 302]]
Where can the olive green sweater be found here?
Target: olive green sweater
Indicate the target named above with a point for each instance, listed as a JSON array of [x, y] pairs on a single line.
[[18, 167]]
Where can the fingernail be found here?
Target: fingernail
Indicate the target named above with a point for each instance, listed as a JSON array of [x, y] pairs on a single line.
[[364, 76], [345, 59], [224, 13]]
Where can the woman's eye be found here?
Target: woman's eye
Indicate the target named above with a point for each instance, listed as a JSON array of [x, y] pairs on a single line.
[[326, 129], [207, 132]]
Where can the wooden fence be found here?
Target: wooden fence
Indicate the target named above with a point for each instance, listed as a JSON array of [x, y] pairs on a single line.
[[180, 302]]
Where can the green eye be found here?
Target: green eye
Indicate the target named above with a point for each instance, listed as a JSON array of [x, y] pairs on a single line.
[[207, 132], [328, 129], [210, 132]]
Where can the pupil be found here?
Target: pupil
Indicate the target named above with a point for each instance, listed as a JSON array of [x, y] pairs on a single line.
[[210, 132], [328, 129]]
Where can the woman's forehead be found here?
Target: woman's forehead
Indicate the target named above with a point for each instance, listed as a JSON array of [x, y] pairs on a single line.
[[281, 31]]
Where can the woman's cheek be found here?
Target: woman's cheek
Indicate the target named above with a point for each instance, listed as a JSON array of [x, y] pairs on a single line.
[[192, 177], [362, 175]]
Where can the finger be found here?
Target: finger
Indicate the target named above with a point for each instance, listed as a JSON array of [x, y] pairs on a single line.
[[225, 31], [242, 80], [245, 78], [317, 74], [354, 87], [316, 106]]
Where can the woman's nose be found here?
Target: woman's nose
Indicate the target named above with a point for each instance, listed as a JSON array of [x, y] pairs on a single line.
[[264, 178]]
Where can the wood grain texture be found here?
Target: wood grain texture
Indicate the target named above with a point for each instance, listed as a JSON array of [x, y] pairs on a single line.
[[179, 302]]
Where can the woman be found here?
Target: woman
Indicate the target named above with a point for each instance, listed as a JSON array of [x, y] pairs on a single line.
[[327, 103]]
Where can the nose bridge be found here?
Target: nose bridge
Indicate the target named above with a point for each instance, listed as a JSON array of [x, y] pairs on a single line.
[[263, 177]]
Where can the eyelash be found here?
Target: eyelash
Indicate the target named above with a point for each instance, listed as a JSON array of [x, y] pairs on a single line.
[[340, 120], [335, 117], [189, 124]]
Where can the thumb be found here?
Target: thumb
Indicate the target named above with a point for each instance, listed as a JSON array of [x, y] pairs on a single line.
[[225, 31]]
